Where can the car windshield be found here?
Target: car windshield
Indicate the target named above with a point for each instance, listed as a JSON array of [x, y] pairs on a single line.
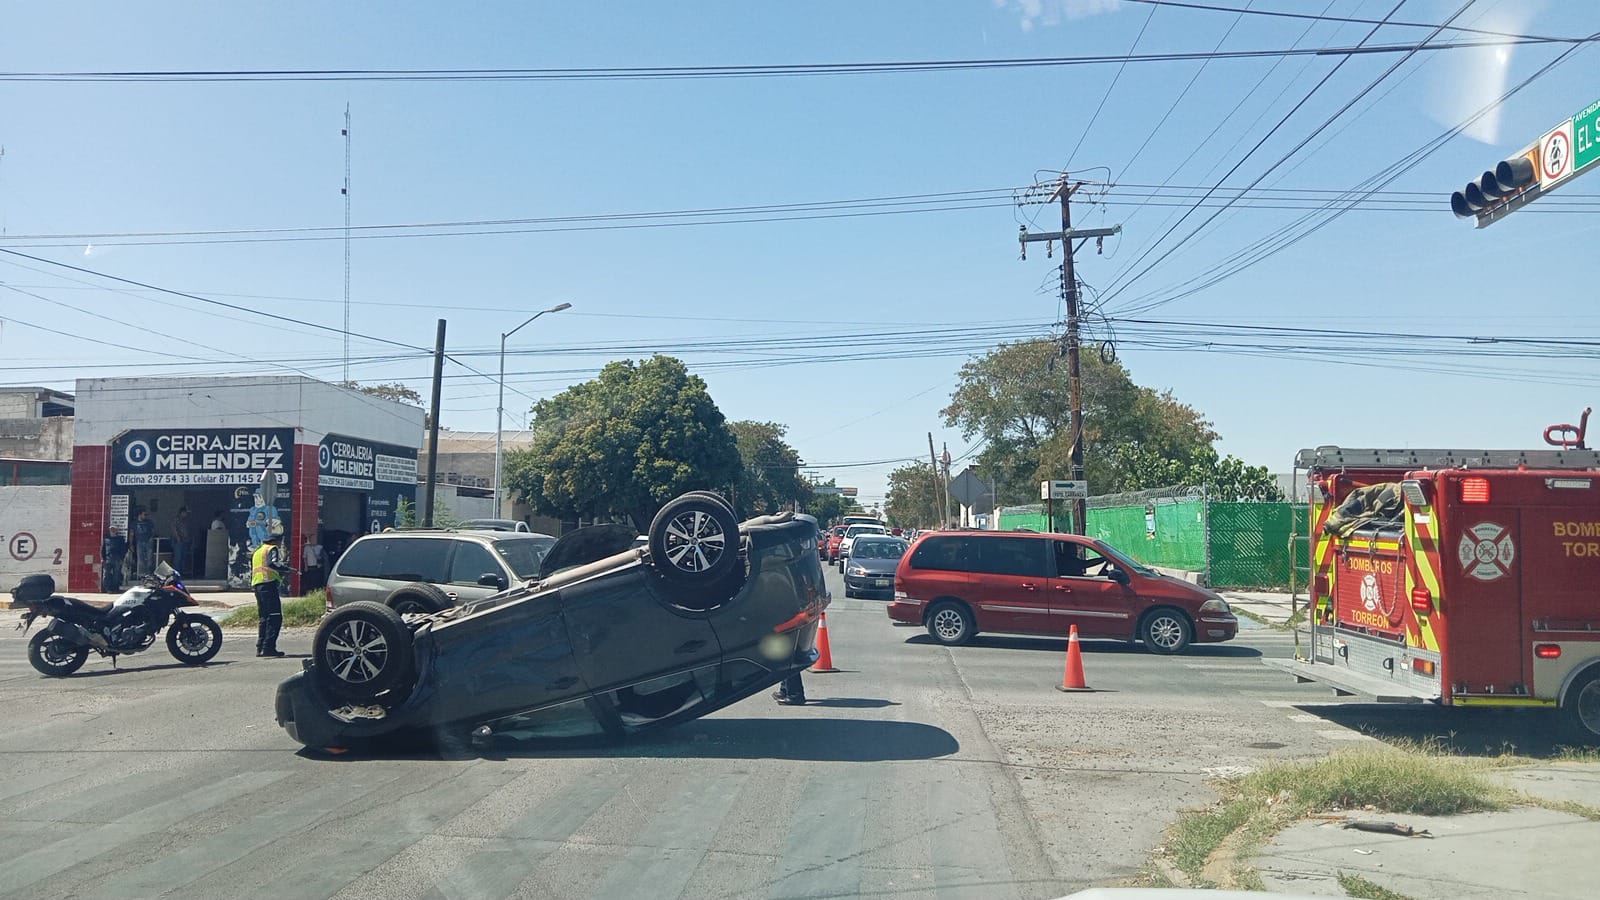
[[524, 554], [1123, 559], [877, 549]]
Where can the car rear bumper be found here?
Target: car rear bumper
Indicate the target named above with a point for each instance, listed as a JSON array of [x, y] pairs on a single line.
[[870, 583], [906, 612]]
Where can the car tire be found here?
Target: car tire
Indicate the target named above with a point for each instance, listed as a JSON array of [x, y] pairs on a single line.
[[951, 623], [1166, 631], [362, 650], [59, 658], [714, 496], [694, 540], [194, 653], [1581, 708], [418, 597]]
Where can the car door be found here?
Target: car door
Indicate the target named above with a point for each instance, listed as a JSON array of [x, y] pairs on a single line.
[[625, 629], [1011, 584], [1083, 594], [470, 562]]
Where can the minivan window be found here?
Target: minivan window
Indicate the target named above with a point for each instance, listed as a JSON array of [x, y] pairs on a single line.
[[397, 559], [471, 563], [1013, 556], [524, 554], [951, 554]]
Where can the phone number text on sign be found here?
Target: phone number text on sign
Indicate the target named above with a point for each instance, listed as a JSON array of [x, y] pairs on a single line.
[[218, 478]]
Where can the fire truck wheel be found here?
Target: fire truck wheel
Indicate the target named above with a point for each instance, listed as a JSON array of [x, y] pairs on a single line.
[[1166, 630], [1582, 707]]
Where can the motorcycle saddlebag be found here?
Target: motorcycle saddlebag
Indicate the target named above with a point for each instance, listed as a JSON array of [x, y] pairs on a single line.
[[34, 588]]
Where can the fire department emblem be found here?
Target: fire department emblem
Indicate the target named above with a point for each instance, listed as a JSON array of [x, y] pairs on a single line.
[[1486, 551], [1370, 595]]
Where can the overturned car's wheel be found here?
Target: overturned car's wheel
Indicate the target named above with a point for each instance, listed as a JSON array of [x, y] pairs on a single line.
[[694, 539], [362, 650]]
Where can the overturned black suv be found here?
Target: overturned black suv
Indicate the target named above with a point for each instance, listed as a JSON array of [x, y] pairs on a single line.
[[611, 639]]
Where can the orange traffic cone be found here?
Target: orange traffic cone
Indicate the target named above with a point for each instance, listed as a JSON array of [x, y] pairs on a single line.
[[1072, 679], [824, 652]]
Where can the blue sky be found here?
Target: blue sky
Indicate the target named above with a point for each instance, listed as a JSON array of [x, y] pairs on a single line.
[[83, 158]]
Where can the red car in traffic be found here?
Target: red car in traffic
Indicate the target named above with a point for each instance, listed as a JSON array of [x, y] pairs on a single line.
[[835, 538]]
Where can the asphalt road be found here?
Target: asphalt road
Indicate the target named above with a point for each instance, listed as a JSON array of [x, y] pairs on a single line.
[[918, 771]]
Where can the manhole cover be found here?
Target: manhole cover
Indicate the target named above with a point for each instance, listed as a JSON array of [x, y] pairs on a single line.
[[1266, 745]]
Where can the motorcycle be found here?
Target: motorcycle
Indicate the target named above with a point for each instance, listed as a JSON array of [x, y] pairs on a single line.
[[129, 625]]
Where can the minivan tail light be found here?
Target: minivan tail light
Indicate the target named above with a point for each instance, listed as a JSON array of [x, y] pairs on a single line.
[[327, 599], [1474, 490]]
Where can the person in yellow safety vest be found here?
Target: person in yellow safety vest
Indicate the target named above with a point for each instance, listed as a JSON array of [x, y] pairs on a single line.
[[267, 568]]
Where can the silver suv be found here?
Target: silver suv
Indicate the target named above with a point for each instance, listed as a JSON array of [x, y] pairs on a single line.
[[430, 570]]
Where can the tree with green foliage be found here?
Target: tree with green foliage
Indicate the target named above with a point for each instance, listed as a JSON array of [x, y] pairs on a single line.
[[625, 443], [913, 493], [392, 390], [770, 479], [1018, 399], [826, 507]]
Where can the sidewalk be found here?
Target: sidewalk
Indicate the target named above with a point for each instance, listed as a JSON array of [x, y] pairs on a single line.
[[1522, 852], [1273, 608]]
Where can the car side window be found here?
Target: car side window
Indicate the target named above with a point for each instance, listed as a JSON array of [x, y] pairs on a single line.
[[364, 559], [418, 559], [472, 562], [950, 554], [1013, 556], [1074, 560]]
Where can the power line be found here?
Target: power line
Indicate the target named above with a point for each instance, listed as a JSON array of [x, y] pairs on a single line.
[[1460, 29], [652, 73], [1109, 88]]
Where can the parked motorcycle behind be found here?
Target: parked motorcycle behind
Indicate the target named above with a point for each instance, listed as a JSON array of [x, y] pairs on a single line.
[[130, 624]]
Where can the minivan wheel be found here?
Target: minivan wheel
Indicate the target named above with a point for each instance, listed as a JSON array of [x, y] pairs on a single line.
[[1166, 631], [951, 624]]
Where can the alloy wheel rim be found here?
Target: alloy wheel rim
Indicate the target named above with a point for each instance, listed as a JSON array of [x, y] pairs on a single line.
[[1165, 632], [695, 541], [57, 652], [357, 652], [196, 639], [948, 623]]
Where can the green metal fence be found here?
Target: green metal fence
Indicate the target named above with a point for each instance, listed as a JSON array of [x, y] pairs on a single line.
[[1179, 539], [1250, 544]]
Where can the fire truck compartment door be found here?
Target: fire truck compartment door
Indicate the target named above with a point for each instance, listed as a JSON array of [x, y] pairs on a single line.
[[1484, 559]]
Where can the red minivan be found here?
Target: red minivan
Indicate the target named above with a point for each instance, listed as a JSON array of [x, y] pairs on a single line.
[[957, 584]]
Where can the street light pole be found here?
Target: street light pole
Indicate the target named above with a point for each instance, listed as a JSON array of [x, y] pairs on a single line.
[[500, 410]]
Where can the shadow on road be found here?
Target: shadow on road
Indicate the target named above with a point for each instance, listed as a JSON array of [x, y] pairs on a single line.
[[1465, 730], [854, 703], [800, 738], [1059, 645], [99, 673]]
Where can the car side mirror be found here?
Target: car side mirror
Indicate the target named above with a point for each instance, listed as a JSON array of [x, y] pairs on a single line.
[[493, 579], [1119, 576]]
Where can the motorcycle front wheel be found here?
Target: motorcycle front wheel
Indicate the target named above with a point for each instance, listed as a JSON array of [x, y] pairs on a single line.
[[55, 655], [194, 640]]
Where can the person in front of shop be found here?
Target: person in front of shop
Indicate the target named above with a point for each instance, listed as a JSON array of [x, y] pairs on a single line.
[[267, 568], [311, 564], [144, 544], [181, 536], [112, 551]]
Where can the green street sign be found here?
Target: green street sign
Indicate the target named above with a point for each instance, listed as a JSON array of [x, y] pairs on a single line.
[[1586, 136]]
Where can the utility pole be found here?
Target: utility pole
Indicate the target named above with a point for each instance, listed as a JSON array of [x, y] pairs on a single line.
[[346, 192], [1069, 292], [933, 469], [433, 428]]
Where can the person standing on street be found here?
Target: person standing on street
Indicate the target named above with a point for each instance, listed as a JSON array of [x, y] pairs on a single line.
[[112, 550], [791, 692], [311, 563], [144, 543], [267, 569], [180, 540]]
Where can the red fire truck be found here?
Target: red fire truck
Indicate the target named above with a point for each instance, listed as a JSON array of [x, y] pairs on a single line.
[[1458, 577]]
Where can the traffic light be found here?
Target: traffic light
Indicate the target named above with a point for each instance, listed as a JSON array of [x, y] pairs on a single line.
[[1495, 188]]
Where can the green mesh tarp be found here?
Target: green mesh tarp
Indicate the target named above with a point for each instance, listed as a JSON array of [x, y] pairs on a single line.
[[1179, 541], [1250, 544]]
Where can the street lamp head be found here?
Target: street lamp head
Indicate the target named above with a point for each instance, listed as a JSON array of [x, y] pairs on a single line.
[[559, 307]]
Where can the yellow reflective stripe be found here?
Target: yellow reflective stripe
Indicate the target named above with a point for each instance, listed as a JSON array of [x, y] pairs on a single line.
[[1459, 700]]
